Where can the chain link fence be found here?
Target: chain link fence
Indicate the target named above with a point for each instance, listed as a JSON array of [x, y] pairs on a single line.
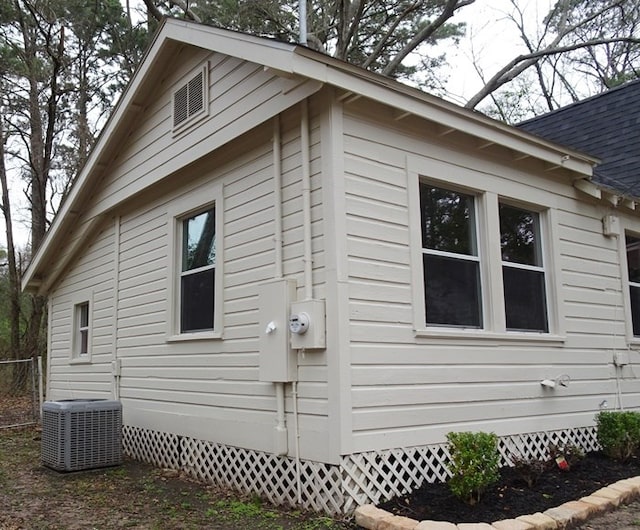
[[20, 392]]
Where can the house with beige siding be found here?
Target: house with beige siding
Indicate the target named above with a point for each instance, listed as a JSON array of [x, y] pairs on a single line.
[[298, 276]]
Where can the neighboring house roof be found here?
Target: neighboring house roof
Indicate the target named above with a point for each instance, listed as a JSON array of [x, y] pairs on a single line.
[[288, 61], [606, 126]]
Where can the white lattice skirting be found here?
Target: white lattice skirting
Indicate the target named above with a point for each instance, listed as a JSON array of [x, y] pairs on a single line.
[[361, 478]]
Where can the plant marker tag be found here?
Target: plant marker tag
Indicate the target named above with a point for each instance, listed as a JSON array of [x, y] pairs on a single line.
[[562, 463]]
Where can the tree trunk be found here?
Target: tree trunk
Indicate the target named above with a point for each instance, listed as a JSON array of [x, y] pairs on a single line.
[[19, 380], [14, 279]]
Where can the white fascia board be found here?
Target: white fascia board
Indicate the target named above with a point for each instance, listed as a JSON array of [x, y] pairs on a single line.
[[588, 187], [260, 50], [411, 100], [115, 120], [269, 53], [298, 60], [466, 121]]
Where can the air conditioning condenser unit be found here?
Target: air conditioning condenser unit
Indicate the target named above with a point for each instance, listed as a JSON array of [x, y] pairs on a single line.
[[80, 434]]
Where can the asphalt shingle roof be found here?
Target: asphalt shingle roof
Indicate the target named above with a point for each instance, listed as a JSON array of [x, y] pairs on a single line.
[[606, 126]]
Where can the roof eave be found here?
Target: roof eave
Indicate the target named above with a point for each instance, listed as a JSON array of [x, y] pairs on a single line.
[[295, 60]]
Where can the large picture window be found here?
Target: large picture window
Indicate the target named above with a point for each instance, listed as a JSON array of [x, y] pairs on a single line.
[[197, 274], [633, 266], [451, 265], [523, 273]]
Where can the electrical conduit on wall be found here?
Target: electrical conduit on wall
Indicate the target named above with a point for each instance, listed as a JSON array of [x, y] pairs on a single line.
[[281, 434], [305, 146], [116, 363]]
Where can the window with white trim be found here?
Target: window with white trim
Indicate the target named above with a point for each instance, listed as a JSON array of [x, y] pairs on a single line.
[[632, 244], [450, 260], [197, 275], [190, 99], [525, 299], [81, 333], [483, 264]]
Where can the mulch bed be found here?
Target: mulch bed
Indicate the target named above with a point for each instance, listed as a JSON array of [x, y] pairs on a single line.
[[511, 496]]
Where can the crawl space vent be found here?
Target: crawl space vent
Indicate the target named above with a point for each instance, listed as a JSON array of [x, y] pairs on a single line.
[[81, 434]]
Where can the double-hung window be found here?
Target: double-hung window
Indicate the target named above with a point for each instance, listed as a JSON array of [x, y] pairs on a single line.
[[81, 341], [525, 300], [450, 261], [483, 264], [198, 271], [633, 267]]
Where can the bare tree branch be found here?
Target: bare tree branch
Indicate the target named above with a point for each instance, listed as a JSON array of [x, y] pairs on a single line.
[[449, 9], [518, 65], [187, 10]]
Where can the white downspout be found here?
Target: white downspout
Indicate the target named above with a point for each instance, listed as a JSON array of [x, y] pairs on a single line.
[[281, 435], [47, 390], [40, 389], [305, 145], [302, 22], [115, 364], [306, 201], [277, 202]]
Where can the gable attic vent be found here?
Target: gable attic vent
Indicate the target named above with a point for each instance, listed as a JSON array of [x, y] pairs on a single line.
[[189, 100]]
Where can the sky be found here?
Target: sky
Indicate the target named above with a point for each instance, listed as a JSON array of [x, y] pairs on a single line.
[[495, 41], [491, 38]]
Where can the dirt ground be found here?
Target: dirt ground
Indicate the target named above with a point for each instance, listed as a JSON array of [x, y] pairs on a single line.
[[142, 497], [626, 517], [133, 495]]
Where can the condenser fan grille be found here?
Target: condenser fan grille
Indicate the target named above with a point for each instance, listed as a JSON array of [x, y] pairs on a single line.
[[81, 434]]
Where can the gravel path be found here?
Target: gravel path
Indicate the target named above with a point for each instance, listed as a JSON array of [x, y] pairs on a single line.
[[625, 517]]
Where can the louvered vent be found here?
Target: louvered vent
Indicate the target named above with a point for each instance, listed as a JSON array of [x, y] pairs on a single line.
[[196, 94], [180, 105], [189, 99], [81, 434]]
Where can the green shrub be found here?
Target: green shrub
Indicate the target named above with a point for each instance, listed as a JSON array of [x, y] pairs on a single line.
[[475, 464], [618, 433]]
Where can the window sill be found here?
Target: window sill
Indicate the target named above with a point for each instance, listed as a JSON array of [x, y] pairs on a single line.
[[206, 335], [475, 334], [80, 360], [633, 341]]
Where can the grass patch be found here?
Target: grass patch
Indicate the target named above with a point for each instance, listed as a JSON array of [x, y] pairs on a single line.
[[134, 495]]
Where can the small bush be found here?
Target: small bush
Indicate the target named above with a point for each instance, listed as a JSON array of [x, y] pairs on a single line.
[[618, 433], [475, 464], [571, 454], [529, 469]]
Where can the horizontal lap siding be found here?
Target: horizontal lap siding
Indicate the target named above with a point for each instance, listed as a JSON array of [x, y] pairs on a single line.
[[312, 371], [409, 390], [241, 96], [91, 278], [204, 388], [210, 389], [196, 387]]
